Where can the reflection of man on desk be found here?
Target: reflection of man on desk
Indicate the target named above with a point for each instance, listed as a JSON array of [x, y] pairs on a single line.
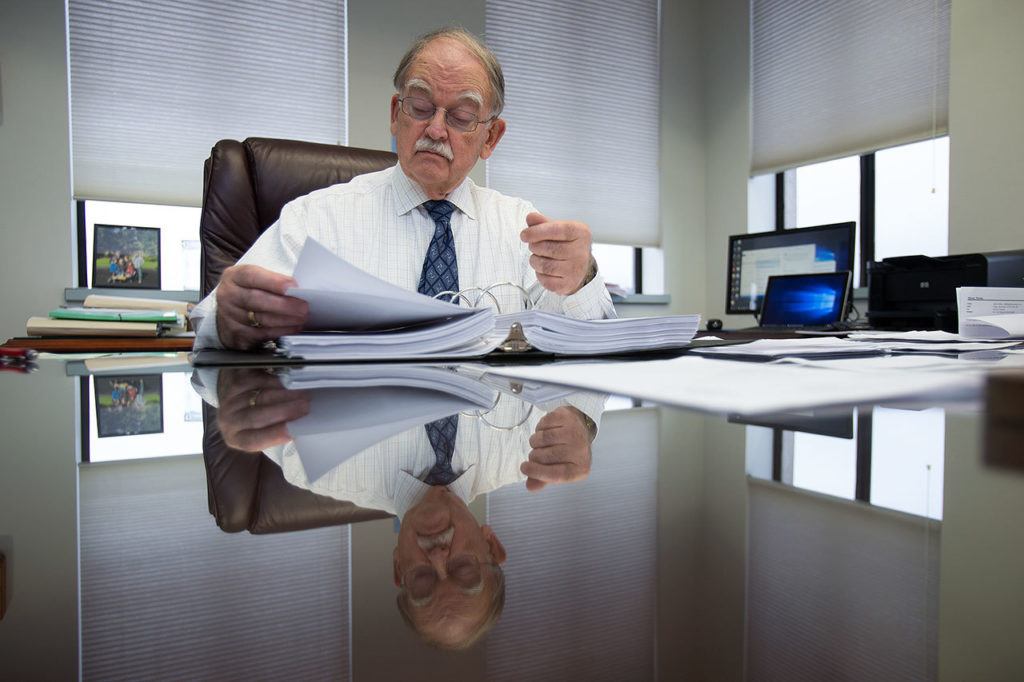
[[422, 225], [446, 565]]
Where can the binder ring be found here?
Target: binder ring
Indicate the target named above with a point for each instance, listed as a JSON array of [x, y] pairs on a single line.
[[486, 291], [455, 295], [482, 415], [527, 301]]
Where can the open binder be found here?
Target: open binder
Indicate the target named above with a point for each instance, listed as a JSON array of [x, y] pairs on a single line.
[[356, 316]]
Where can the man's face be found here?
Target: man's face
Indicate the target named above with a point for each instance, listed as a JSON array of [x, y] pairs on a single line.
[[442, 561], [446, 74]]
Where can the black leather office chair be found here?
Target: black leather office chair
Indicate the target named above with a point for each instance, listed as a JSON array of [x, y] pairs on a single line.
[[246, 184]]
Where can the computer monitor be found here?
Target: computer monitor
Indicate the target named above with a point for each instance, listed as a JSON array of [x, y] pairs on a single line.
[[753, 258]]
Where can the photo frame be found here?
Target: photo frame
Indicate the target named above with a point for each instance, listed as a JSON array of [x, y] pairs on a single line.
[[125, 257], [129, 405]]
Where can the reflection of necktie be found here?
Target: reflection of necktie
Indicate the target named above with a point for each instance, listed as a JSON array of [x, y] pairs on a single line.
[[440, 271], [442, 438]]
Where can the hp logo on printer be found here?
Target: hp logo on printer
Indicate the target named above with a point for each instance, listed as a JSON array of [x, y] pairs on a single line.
[[925, 285]]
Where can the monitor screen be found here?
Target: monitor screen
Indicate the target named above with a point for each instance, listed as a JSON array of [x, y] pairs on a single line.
[[753, 258], [806, 300]]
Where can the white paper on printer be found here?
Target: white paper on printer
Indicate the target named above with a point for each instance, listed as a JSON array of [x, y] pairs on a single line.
[[987, 302]]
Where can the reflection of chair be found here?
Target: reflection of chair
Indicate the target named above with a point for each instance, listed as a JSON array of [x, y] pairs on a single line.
[[245, 185], [247, 491]]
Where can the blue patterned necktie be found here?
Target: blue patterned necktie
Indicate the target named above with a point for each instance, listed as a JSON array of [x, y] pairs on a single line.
[[441, 434], [440, 271]]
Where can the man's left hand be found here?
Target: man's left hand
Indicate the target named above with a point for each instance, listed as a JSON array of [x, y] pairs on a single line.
[[560, 253]]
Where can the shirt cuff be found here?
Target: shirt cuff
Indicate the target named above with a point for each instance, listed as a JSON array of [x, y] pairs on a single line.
[[591, 302], [204, 322]]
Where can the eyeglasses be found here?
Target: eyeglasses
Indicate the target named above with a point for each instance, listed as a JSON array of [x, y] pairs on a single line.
[[423, 110], [462, 569]]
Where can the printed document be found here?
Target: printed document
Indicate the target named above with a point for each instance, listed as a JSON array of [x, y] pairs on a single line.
[[991, 312]]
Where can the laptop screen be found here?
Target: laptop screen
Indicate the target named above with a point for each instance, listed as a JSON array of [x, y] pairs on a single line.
[[805, 300]]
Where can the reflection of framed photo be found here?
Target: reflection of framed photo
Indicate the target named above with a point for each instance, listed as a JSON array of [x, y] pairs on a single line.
[[129, 405], [126, 257]]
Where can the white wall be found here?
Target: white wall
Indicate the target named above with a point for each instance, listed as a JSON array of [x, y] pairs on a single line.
[[379, 33], [35, 162], [986, 98]]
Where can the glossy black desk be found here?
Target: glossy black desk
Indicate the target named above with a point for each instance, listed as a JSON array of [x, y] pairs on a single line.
[[875, 543]]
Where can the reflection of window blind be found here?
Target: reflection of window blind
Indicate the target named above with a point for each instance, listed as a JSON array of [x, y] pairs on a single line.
[[833, 78], [581, 571], [839, 590], [155, 84], [582, 112], [167, 595]]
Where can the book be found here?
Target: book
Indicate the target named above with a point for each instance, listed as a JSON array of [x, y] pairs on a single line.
[[183, 308], [356, 316], [45, 326], [170, 318]]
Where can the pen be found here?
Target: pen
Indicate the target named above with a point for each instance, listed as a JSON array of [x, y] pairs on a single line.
[[17, 354]]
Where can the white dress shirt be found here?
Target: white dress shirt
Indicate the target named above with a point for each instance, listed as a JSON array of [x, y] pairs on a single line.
[[377, 223], [389, 475]]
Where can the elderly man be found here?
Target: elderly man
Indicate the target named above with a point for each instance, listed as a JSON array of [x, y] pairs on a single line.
[[422, 225], [446, 565]]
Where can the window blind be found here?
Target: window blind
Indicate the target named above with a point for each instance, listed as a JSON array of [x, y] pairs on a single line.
[[155, 83], [167, 595], [574, 544], [582, 104], [832, 78]]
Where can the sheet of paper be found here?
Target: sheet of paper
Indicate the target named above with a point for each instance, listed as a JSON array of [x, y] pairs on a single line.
[[995, 326], [800, 347], [342, 422], [736, 387], [341, 296], [975, 302], [919, 335]]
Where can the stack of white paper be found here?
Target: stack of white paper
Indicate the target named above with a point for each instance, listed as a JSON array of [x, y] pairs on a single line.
[[356, 316], [559, 334], [354, 407]]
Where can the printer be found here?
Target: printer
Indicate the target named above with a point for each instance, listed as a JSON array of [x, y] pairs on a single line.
[[919, 292]]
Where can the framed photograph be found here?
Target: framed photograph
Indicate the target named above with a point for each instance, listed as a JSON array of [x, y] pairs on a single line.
[[127, 257], [129, 405]]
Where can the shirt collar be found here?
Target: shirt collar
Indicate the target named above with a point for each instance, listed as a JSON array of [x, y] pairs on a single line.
[[409, 195], [409, 490]]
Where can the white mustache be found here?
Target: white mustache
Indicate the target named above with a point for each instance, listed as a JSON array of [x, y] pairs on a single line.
[[442, 539], [425, 144]]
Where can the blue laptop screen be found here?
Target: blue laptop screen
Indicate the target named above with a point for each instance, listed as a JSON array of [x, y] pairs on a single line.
[[799, 300]]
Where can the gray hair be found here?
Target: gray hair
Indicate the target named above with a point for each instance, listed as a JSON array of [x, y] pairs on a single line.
[[475, 46]]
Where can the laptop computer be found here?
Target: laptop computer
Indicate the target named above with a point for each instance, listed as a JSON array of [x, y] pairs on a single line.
[[812, 301]]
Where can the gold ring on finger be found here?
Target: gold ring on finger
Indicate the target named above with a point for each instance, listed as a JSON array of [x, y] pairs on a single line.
[[255, 397], [253, 322]]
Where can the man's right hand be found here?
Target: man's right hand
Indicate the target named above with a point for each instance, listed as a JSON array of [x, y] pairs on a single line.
[[255, 409], [252, 307]]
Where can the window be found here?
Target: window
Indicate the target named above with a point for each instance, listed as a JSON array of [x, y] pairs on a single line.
[[888, 193], [907, 450], [829, 192], [892, 458], [179, 239], [825, 464], [631, 270], [912, 199]]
